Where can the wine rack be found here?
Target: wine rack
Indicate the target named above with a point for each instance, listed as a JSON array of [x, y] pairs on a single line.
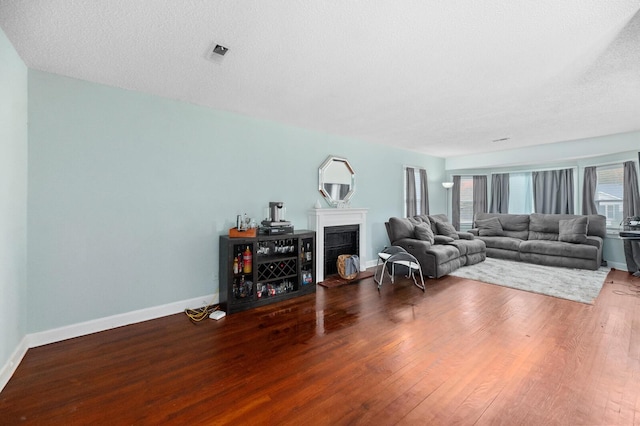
[[281, 267], [285, 268]]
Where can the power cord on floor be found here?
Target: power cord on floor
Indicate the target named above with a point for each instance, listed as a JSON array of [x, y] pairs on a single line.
[[199, 314]]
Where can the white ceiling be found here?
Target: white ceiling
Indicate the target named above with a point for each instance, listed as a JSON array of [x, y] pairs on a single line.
[[443, 77]]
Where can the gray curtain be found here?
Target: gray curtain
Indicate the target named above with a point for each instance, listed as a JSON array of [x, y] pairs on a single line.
[[479, 195], [424, 192], [455, 203], [631, 197], [589, 191], [500, 193], [631, 207], [553, 191], [411, 192]]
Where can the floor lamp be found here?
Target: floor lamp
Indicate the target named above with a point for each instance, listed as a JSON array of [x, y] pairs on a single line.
[[447, 186]]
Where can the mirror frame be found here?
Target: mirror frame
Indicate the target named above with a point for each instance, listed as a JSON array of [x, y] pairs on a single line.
[[322, 170]]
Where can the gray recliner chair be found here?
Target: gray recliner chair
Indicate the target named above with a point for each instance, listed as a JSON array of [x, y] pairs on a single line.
[[438, 254]]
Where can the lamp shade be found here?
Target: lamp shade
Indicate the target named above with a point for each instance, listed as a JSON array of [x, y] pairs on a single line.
[[447, 185]]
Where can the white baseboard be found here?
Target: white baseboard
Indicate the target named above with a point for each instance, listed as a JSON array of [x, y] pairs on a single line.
[[12, 363], [371, 263], [33, 340], [101, 324]]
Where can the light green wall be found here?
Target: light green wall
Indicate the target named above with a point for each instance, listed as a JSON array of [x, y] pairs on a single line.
[[128, 194], [13, 199], [577, 154]]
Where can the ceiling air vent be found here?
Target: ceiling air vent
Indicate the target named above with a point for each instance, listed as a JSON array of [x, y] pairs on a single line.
[[220, 50], [215, 53]]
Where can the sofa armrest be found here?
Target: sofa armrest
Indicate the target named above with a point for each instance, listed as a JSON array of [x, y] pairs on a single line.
[[595, 241], [475, 232], [465, 235], [442, 239]]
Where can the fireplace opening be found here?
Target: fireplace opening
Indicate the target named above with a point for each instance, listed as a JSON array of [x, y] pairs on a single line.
[[339, 240]]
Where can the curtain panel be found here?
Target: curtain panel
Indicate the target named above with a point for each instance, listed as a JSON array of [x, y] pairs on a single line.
[[411, 206], [630, 194], [499, 193], [589, 191], [424, 192], [631, 207], [411, 192], [479, 195], [455, 203], [553, 191]]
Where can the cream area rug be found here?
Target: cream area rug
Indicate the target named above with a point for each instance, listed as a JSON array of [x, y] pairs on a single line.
[[579, 285]]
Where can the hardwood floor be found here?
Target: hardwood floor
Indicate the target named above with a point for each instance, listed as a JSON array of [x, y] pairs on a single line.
[[463, 352]]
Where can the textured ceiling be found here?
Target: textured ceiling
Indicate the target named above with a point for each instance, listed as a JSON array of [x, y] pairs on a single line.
[[443, 77]]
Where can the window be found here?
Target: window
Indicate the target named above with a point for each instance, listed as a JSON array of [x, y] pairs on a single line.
[[609, 193], [466, 200], [416, 172], [520, 193]]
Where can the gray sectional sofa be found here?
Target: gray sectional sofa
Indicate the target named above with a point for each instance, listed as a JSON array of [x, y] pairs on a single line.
[[437, 246], [570, 241]]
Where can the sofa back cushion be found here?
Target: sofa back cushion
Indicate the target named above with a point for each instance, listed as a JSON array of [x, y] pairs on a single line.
[[513, 225], [573, 230], [422, 231], [489, 227], [399, 228], [434, 219], [547, 226], [597, 225], [447, 229]]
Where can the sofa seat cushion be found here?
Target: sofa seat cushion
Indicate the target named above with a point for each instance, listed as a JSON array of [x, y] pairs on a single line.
[[559, 248], [474, 258], [467, 247], [444, 252], [504, 243]]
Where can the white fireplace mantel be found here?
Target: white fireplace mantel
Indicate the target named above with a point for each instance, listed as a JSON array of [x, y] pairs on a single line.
[[321, 218]]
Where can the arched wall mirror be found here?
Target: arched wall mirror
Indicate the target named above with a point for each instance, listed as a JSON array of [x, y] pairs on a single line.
[[337, 180]]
